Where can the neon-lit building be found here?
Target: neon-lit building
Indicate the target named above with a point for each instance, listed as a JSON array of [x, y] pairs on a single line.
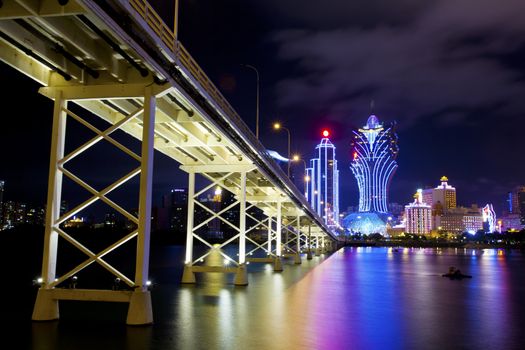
[[374, 150], [445, 194], [365, 223], [489, 218], [514, 200], [322, 189], [418, 216]]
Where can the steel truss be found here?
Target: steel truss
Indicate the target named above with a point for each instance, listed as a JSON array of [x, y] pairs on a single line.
[[236, 183], [293, 235], [138, 295]]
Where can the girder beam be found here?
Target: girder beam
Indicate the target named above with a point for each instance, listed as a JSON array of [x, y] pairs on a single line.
[[43, 8], [97, 92]]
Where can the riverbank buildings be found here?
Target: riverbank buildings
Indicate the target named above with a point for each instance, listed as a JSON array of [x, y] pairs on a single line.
[[446, 215]]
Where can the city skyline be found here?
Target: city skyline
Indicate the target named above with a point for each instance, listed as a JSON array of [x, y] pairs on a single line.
[[439, 133]]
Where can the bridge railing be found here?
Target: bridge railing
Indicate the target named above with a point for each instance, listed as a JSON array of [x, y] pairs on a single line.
[[166, 34], [152, 18]]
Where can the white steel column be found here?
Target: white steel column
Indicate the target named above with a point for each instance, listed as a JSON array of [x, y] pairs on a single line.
[[309, 243], [317, 250], [46, 308], [297, 257], [278, 249], [269, 235], [242, 220], [241, 278], [188, 276], [140, 311]]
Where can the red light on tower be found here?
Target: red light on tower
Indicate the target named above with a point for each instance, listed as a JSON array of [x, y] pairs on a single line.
[[355, 155], [326, 133]]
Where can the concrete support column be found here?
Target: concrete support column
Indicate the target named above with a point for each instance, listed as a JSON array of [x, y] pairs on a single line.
[[140, 312], [188, 276], [46, 308]]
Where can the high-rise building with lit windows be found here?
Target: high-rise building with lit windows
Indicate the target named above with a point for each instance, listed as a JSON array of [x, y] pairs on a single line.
[[374, 150], [445, 194], [517, 203], [418, 216], [514, 203], [322, 189]]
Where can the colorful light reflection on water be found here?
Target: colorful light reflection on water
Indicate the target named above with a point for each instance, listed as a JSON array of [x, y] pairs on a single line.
[[358, 298]]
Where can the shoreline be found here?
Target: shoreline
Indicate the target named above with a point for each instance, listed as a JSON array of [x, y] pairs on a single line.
[[420, 244]]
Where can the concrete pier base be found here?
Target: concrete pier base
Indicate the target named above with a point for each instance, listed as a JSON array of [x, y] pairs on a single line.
[[241, 277], [46, 307], [297, 259], [277, 264], [140, 312], [309, 255], [188, 276]]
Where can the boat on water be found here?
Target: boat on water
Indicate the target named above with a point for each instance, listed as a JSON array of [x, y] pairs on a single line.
[[454, 273]]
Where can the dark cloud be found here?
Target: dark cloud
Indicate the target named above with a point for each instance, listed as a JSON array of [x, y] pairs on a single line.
[[447, 60], [335, 13], [451, 73]]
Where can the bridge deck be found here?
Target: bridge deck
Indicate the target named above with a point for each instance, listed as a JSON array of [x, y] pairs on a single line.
[[102, 54]]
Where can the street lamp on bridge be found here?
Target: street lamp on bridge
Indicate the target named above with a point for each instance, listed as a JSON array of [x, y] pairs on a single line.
[[306, 178]]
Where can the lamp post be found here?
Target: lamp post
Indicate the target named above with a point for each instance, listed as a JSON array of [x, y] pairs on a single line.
[[296, 158], [257, 110], [176, 20], [278, 126], [306, 178]]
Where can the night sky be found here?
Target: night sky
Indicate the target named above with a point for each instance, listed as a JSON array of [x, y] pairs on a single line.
[[450, 73]]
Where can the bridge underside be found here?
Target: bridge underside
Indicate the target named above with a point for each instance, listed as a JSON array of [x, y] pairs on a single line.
[[118, 61]]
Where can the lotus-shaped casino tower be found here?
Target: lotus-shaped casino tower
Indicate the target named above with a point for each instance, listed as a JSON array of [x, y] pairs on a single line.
[[374, 150]]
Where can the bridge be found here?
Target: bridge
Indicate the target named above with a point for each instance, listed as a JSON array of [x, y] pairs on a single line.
[[119, 61]]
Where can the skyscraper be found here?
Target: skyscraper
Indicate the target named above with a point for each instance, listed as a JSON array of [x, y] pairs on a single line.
[[516, 202], [514, 205], [374, 150], [445, 194], [521, 206], [175, 204], [322, 190]]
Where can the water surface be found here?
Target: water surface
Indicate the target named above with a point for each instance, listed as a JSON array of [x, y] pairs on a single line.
[[357, 298]]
